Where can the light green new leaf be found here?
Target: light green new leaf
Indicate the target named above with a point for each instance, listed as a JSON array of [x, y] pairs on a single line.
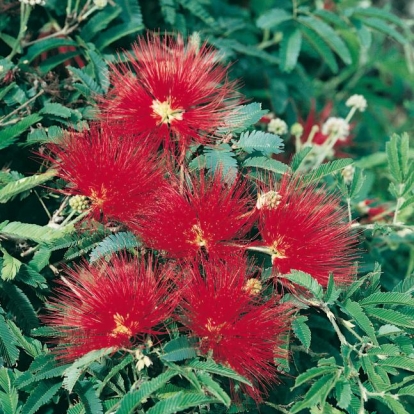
[[32, 231], [327, 169], [299, 157], [314, 372], [16, 187], [265, 142], [265, 163], [397, 150], [305, 280], [10, 267], [10, 134]]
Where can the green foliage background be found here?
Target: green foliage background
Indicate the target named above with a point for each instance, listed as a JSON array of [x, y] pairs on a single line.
[[351, 350]]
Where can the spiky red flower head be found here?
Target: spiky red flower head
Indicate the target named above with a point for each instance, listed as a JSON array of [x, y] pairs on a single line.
[[108, 305], [304, 228], [233, 322], [115, 174], [206, 214], [170, 92]]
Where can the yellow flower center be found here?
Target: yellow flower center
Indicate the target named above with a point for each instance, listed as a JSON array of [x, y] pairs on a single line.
[[279, 249], [253, 287], [121, 329], [99, 197], [164, 111], [199, 238]]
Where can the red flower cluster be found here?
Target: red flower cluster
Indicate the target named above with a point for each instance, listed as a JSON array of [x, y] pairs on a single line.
[[304, 228], [232, 320], [107, 306], [170, 93], [207, 214], [116, 175]]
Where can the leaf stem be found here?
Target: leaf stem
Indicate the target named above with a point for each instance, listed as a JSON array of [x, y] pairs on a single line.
[[25, 10]]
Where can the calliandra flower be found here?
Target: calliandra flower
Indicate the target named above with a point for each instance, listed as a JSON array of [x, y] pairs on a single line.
[[170, 93], [111, 305], [277, 126], [337, 127], [206, 215], [357, 101], [113, 172], [307, 230], [234, 325]]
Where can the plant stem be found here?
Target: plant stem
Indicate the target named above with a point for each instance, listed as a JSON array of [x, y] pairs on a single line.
[[25, 10], [41, 92]]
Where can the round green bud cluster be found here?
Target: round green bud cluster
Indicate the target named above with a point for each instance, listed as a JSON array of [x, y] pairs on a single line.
[[79, 203]]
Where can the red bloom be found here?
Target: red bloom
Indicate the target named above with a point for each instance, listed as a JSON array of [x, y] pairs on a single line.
[[177, 94], [205, 216], [233, 322], [114, 173], [106, 306], [305, 229]]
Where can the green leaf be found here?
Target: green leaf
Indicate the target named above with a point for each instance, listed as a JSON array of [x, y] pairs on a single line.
[[329, 36], [8, 349], [327, 169], [114, 243], [24, 184], [242, 117], [388, 298], [344, 393], [10, 134], [332, 293], [213, 368], [306, 281], [40, 396], [385, 28], [299, 157], [392, 402], [31, 346], [100, 69], [214, 388], [397, 150], [265, 142], [179, 349], [314, 372], [302, 331], [133, 399], [168, 9], [290, 49], [390, 316], [74, 371], [272, 18], [379, 13], [321, 47], [195, 8], [20, 306], [357, 182], [221, 157], [117, 32], [10, 267], [179, 402], [49, 64], [44, 45], [355, 311], [55, 109], [99, 22], [9, 400], [88, 397], [89, 82], [317, 393], [32, 231], [129, 359], [332, 18], [266, 164]]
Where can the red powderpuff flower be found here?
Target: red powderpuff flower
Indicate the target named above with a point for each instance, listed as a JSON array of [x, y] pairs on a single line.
[[108, 305], [170, 93], [233, 322], [304, 228], [205, 216], [116, 175]]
